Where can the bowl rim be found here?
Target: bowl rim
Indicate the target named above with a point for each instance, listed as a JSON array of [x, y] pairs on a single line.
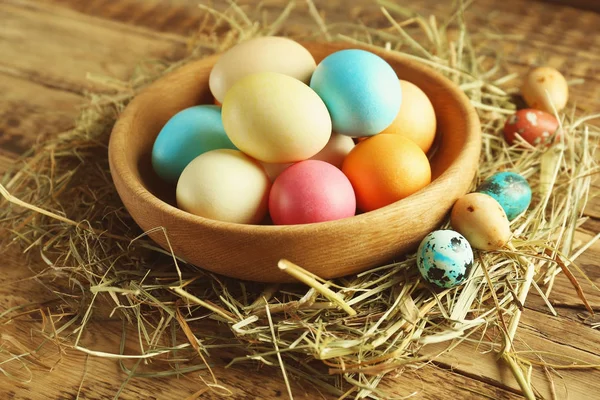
[[119, 164]]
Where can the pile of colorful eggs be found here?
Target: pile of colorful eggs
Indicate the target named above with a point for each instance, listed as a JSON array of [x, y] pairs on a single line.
[[296, 141], [482, 219]]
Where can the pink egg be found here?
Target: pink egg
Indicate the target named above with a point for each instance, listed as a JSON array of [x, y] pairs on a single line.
[[311, 191]]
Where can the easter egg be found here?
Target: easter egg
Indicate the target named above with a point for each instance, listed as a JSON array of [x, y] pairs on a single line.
[[360, 90], [546, 89], [334, 153], [185, 136], [510, 190], [311, 191], [275, 118], [262, 54], [384, 169], [336, 150], [416, 118], [445, 258], [273, 170], [225, 185], [534, 126], [482, 220]]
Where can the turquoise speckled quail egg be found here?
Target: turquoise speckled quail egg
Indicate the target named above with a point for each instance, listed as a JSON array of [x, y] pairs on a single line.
[[510, 190], [445, 258]]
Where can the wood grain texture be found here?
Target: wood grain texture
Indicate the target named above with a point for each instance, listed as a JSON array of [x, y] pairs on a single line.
[[251, 252], [480, 361], [49, 46], [568, 38], [30, 111]]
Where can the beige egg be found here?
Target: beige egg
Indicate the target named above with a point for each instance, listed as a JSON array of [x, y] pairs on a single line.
[[274, 170], [334, 153], [224, 185], [263, 54], [336, 150], [482, 220], [275, 118], [416, 119], [543, 87]]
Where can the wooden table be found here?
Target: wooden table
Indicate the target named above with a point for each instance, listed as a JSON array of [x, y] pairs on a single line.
[[48, 46]]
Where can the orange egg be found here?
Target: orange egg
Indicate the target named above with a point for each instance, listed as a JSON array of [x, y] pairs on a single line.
[[416, 118], [386, 168]]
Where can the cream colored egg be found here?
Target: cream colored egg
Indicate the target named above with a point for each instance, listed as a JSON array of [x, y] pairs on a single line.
[[263, 54], [482, 220], [225, 185], [416, 119], [275, 118], [336, 150], [544, 87]]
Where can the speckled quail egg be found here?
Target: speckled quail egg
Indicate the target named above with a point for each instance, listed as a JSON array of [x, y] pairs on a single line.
[[445, 258]]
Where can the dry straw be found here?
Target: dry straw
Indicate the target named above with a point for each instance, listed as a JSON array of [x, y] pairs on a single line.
[[341, 336]]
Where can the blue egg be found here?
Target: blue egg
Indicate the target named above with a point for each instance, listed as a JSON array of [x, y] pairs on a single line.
[[185, 136], [510, 190], [445, 258], [360, 90]]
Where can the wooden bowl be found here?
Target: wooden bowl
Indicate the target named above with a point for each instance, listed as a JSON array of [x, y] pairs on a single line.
[[328, 249]]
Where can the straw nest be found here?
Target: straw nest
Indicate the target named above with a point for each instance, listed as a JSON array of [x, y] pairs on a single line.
[[61, 207]]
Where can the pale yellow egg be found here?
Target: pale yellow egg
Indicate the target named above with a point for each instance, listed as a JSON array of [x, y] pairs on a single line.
[[275, 118]]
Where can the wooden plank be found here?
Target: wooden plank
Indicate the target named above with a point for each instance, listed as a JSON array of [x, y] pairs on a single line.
[[176, 16], [591, 5], [52, 48], [563, 293], [580, 336], [479, 361], [592, 208], [30, 112]]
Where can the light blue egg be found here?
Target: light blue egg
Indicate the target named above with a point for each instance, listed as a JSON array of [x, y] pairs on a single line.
[[185, 136], [510, 190], [360, 89], [445, 258]]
